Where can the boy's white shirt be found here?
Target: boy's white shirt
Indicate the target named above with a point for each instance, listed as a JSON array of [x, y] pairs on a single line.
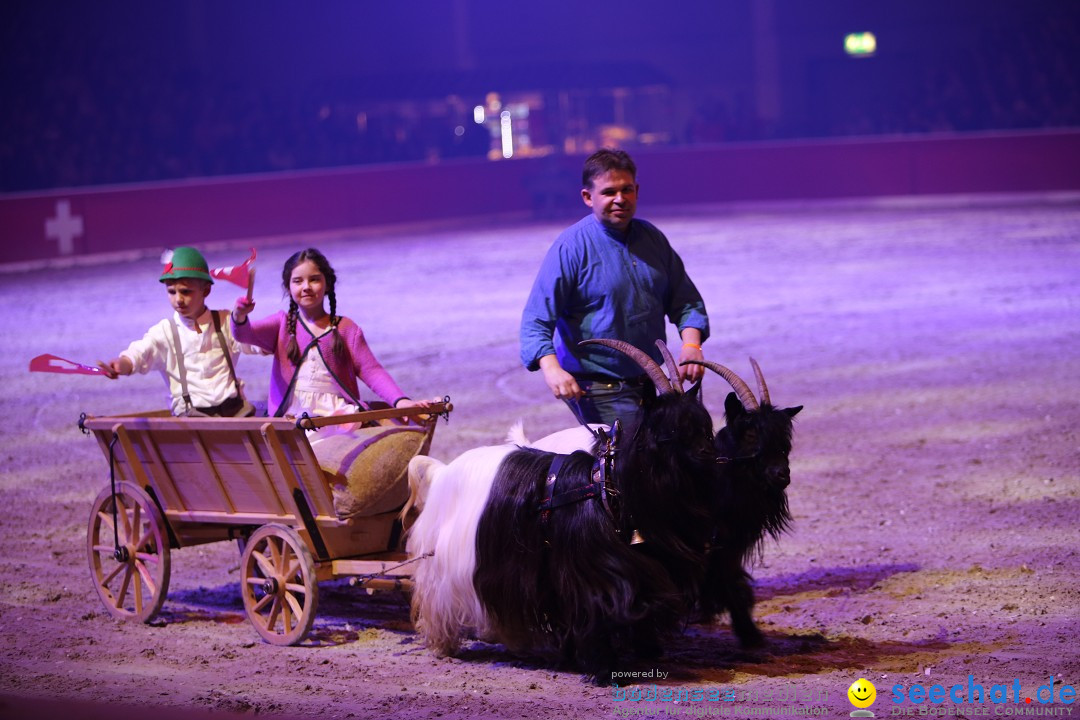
[[208, 379]]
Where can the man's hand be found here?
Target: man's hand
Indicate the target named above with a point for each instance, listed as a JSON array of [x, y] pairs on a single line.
[[561, 383], [693, 373]]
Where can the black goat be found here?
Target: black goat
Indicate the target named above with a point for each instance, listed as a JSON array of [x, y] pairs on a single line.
[[668, 470], [750, 498], [555, 565]]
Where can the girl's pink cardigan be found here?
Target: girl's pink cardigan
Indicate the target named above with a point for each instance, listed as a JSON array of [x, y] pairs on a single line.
[[271, 333]]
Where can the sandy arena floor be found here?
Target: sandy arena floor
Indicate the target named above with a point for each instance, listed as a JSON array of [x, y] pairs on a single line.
[[935, 344]]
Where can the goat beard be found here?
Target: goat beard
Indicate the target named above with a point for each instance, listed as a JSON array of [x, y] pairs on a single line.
[[777, 519], [574, 582], [750, 535], [747, 514]]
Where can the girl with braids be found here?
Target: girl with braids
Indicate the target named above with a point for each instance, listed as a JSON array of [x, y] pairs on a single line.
[[318, 355]]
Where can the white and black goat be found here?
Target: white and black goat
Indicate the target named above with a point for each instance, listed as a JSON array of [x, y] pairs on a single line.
[[750, 498], [534, 549]]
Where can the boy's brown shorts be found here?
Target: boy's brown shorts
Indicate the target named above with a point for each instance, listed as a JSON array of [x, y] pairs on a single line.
[[236, 406]]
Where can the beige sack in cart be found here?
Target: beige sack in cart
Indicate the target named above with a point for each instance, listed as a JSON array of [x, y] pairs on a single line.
[[367, 468]]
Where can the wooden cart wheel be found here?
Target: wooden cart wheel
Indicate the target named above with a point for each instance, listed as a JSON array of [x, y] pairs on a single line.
[[278, 584], [130, 566]]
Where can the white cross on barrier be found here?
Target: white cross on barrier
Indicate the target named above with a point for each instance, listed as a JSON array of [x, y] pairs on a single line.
[[64, 228]]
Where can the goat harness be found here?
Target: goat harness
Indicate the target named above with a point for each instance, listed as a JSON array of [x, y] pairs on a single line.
[[602, 486], [729, 448]]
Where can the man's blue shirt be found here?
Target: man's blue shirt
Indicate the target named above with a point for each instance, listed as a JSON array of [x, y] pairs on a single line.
[[595, 283]]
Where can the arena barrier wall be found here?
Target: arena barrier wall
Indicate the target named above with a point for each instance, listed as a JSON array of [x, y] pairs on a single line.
[[69, 224]]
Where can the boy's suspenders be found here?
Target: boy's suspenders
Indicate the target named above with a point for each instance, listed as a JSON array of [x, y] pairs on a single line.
[[182, 371], [225, 349], [179, 350]]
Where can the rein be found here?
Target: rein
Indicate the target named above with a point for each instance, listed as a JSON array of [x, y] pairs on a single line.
[[575, 408]]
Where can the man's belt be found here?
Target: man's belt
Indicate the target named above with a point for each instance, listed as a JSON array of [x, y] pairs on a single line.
[[639, 381]]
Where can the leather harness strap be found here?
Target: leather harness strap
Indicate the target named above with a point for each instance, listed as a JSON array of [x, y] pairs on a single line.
[[602, 486], [549, 487]]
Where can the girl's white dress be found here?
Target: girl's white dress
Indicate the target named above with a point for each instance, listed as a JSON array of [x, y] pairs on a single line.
[[315, 392]]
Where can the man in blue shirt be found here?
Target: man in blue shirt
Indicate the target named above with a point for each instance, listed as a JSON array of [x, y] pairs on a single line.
[[609, 276]]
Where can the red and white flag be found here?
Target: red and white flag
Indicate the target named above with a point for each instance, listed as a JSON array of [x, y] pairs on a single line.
[[54, 364], [237, 274]]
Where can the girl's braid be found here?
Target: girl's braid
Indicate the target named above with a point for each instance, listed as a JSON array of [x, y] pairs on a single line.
[[339, 344], [293, 348]]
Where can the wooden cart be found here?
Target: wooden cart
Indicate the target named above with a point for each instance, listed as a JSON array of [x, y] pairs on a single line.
[[176, 482]]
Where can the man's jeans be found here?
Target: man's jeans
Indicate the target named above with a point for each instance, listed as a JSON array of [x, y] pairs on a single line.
[[603, 402]]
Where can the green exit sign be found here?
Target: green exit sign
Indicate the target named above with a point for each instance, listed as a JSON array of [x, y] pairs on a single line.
[[861, 44]]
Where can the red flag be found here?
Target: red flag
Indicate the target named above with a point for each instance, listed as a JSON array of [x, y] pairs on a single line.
[[53, 364], [237, 274]]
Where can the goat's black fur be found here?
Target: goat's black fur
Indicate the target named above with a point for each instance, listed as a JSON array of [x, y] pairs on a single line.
[[666, 472], [575, 581], [751, 502]]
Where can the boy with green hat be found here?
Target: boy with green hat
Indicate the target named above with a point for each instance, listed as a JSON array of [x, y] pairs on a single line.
[[193, 349]]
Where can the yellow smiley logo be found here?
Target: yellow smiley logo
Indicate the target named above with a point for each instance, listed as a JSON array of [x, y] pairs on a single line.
[[862, 693]]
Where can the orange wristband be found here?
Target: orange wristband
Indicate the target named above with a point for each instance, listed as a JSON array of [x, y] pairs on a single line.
[[693, 345]]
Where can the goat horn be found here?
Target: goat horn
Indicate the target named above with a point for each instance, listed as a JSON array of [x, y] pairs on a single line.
[[663, 386], [742, 390], [763, 389], [672, 366]]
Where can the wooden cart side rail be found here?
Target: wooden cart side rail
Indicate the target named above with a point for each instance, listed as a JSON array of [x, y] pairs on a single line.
[[155, 422], [185, 521], [433, 411], [220, 517], [145, 422]]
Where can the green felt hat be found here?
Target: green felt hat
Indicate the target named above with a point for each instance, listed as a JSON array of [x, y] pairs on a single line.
[[186, 262]]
